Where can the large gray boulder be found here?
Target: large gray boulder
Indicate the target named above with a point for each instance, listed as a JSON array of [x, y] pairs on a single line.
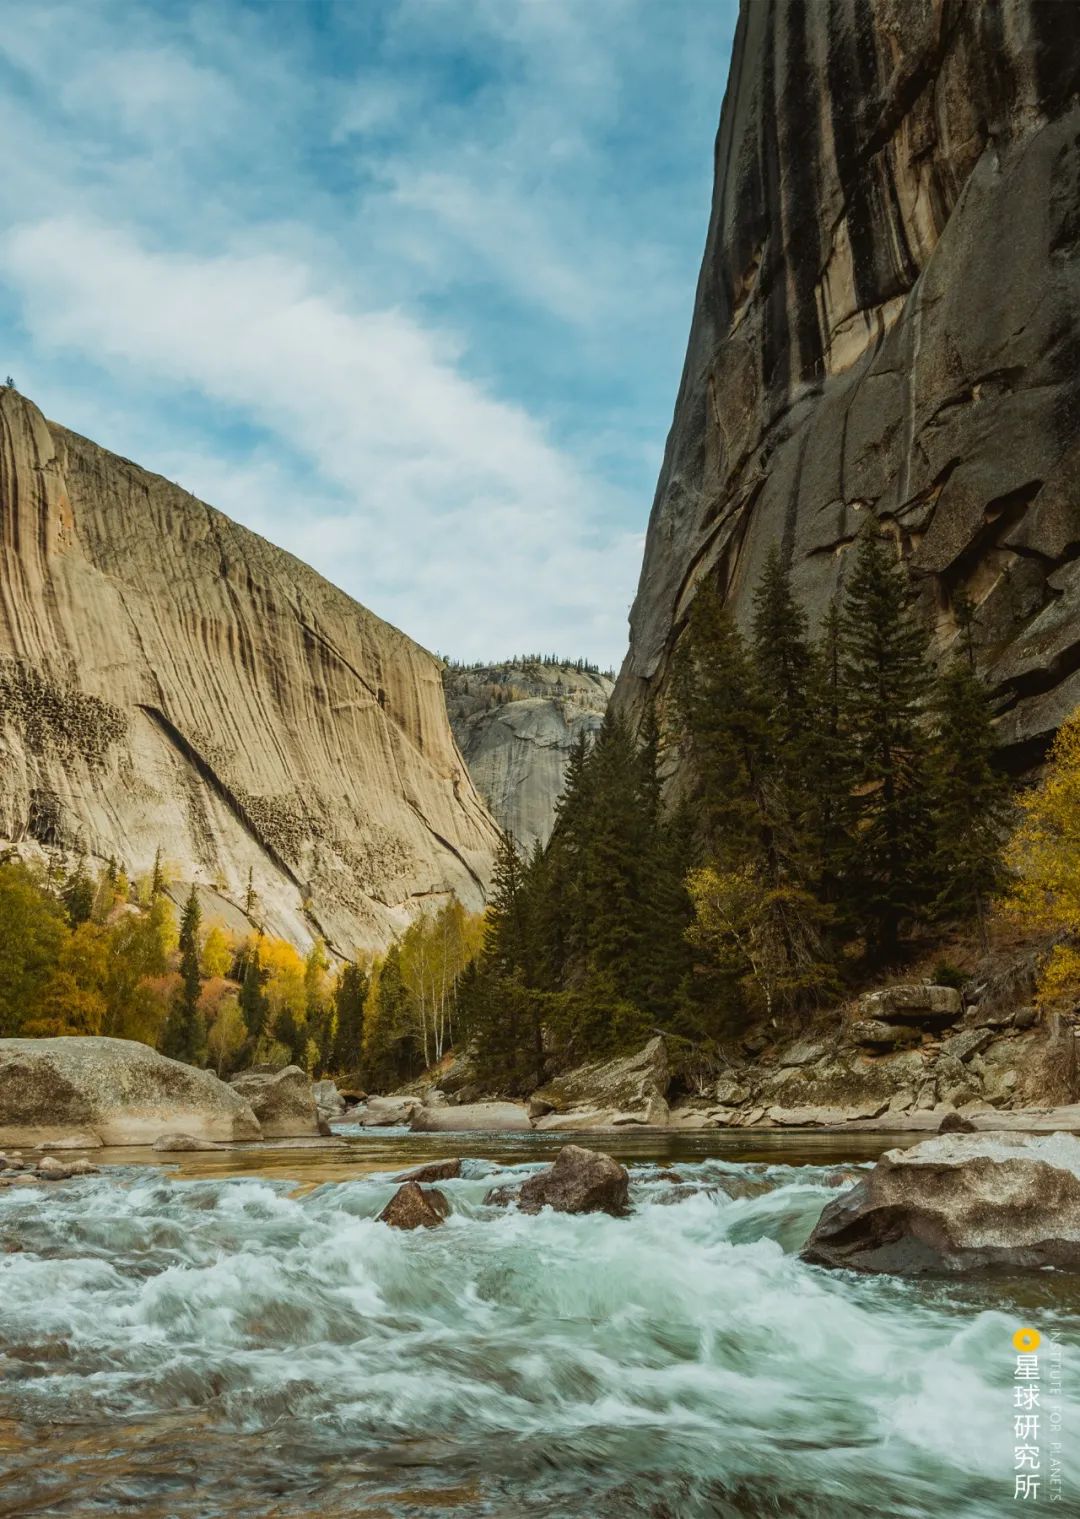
[[117, 1090], [959, 1202], [486, 1117], [387, 1112], [631, 1089], [919, 1003], [328, 1100], [282, 1101]]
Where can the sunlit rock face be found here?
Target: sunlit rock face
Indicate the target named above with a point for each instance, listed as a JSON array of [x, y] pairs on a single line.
[[888, 320], [516, 724], [170, 680]]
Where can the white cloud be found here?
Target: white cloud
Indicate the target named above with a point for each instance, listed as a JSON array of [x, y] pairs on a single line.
[[401, 291], [440, 489]]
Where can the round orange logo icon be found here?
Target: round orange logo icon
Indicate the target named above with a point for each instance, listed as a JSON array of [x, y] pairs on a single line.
[[1027, 1340]]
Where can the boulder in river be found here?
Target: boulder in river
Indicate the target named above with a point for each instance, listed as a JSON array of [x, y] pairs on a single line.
[[387, 1112], [182, 1142], [328, 1100], [282, 1101], [117, 1091], [436, 1170], [959, 1202], [607, 1093], [488, 1117], [956, 1123], [413, 1207], [580, 1181]]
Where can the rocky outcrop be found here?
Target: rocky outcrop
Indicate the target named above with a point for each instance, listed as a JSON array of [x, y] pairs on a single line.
[[959, 1202], [515, 725], [328, 1100], [169, 680], [887, 321], [282, 1101], [411, 1207], [629, 1090], [116, 1091], [580, 1181], [386, 1112], [436, 1170], [478, 1117]]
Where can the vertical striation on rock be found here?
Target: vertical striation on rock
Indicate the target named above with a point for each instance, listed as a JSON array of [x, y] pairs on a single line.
[[170, 680], [888, 319], [515, 725]]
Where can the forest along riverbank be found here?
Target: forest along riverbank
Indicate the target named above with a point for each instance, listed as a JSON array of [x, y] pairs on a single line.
[[211, 1344]]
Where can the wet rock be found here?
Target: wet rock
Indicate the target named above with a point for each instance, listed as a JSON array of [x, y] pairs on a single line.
[[282, 1101], [328, 1100], [486, 1117], [956, 1123], [580, 1181], [51, 1169], [921, 1004], [632, 1088], [436, 1170], [411, 1207], [539, 1107], [83, 1167], [842, 1176], [387, 1112], [182, 1142], [501, 1197], [959, 1202], [117, 1090]]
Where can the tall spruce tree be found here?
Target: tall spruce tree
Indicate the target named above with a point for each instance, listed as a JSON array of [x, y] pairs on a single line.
[[254, 1004], [350, 996], [826, 758], [886, 676], [723, 719], [970, 799], [185, 1030]]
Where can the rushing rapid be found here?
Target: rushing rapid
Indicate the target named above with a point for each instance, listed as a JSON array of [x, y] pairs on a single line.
[[242, 1346]]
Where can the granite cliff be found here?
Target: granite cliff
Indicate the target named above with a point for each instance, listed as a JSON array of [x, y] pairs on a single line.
[[887, 320], [170, 680], [515, 724]]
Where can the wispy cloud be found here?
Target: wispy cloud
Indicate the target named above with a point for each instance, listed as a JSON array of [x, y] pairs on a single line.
[[406, 293]]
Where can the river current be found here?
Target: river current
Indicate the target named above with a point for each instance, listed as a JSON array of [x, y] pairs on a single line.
[[191, 1342]]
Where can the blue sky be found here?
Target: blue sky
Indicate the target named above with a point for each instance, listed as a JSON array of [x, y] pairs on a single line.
[[404, 285]]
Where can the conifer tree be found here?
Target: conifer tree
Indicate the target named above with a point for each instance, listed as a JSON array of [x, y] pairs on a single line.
[[970, 799], [826, 760], [185, 1031], [723, 718], [254, 1005], [157, 878], [886, 677], [350, 995]]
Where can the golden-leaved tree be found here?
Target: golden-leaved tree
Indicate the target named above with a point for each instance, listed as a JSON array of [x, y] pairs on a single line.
[[1044, 855]]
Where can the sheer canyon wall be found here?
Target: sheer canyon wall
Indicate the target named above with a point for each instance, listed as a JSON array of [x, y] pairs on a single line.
[[169, 680], [888, 320]]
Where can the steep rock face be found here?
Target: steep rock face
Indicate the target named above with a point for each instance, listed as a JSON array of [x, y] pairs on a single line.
[[888, 320], [515, 724], [169, 679]]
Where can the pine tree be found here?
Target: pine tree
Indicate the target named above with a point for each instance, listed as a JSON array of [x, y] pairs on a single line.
[[827, 767], [185, 1031], [970, 799], [254, 1005], [886, 676], [350, 995], [157, 879], [79, 896], [781, 653], [723, 718]]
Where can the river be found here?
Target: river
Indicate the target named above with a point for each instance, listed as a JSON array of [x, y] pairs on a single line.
[[232, 1334]]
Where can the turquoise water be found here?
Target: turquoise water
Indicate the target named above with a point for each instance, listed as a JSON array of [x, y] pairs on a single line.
[[258, 1345]]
